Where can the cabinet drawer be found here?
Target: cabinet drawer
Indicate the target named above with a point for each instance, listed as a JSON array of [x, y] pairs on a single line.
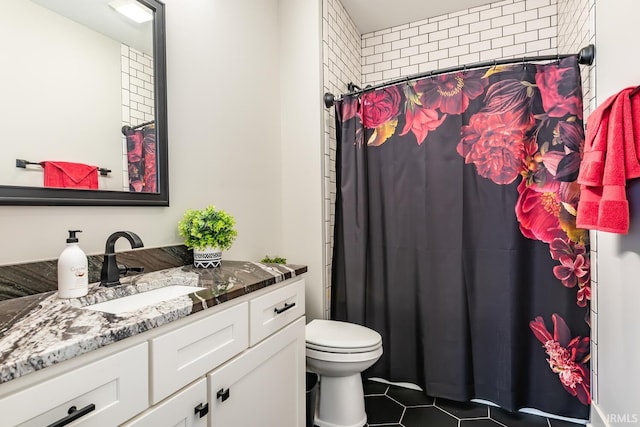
[[116, 385], [275, 310], [187, 408], [182, 355]]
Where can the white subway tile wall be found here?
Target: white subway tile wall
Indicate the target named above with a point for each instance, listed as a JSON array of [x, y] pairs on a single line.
[[138, 100], [504, 29], [341, 53], [576, 29]]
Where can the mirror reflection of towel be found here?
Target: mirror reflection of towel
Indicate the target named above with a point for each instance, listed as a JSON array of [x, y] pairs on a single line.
[[70, 175]]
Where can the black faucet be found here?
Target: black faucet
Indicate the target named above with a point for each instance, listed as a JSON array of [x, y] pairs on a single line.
[[110, 274]]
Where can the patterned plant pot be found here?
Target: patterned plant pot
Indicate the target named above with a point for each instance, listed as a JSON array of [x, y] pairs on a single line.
[[207, 258]]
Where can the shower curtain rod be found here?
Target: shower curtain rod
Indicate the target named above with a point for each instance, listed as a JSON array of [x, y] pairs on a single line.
[[585, 57], [126, 128]]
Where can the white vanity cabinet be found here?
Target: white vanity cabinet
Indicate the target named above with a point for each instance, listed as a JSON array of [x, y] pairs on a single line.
[[237, 364], [252, 356]]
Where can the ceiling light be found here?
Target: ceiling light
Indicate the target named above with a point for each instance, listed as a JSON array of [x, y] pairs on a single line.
[[132, 10]]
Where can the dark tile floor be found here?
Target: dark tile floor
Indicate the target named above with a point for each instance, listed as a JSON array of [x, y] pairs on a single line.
[[388, 405]]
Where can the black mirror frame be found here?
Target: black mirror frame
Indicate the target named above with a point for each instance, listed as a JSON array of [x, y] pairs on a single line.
[[36, 196]]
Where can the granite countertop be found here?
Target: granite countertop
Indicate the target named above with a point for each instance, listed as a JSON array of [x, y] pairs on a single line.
[[41, 330]]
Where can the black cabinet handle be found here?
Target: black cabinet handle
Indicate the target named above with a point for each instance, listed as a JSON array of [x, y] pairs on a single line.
[[222, 394], [74, 414], [202, 410], [285, 308]]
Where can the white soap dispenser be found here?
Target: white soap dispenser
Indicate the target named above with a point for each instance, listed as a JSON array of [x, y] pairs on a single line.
[[73, 271]]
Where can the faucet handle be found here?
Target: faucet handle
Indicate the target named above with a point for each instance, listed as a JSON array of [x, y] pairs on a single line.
[[124, 269]]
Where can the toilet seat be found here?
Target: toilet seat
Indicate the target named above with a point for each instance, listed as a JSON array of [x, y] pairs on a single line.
[[332, 336], [340, 350], [355, 357]]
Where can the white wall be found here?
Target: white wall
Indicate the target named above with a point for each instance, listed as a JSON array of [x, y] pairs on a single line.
[[224, 120], [301, 134], [618, 256], [46, 53]]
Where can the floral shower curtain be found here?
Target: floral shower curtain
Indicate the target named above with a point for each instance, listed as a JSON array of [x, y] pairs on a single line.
[[455, 234], [141, 159]]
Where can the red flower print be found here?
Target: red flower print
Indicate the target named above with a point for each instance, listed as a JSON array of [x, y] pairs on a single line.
[[571, 134], [451, 93], [560, 95], [584, 295], [421, 121], [538, 211], [567, 357], [571, 268], [512, 96], [348, 108], [380, 106], [495, 146], [569, 195], [560, 247]]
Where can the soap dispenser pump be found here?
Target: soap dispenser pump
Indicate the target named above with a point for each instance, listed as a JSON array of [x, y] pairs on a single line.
[[73, 271]]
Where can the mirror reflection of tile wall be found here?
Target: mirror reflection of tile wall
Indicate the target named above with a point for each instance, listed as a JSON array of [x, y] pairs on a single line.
[[137, 96]]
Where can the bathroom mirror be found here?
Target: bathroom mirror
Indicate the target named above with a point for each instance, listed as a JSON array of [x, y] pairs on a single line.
[[77, 77]]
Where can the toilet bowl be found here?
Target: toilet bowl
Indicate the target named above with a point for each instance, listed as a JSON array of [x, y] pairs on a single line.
[[338, 352]]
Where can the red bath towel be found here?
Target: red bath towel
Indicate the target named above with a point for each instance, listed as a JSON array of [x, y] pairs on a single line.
[[70, 175], [610, 158]]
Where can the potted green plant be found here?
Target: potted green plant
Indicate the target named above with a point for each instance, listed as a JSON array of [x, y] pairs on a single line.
[[208, 232]]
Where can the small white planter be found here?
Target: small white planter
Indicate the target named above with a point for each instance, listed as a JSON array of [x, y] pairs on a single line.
[[207, 258]]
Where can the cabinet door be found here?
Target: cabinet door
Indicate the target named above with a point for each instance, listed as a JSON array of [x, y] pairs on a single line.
[[187, 408], [104, 393], [183, 355], [264, 386]]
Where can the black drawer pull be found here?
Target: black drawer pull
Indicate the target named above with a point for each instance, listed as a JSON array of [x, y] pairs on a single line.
[[74, 414], [222, 394], [202, 410], [285, 308]]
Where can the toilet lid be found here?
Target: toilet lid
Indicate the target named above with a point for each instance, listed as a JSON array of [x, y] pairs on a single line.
[[341, 337]]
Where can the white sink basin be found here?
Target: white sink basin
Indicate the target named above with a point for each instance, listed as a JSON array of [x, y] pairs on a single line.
[[143, 299]]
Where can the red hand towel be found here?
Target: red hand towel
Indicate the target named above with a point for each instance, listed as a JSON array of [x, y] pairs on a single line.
[[70, 175], [610, 158]]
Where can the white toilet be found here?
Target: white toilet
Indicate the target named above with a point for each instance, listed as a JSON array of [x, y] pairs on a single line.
[[338, 352]]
